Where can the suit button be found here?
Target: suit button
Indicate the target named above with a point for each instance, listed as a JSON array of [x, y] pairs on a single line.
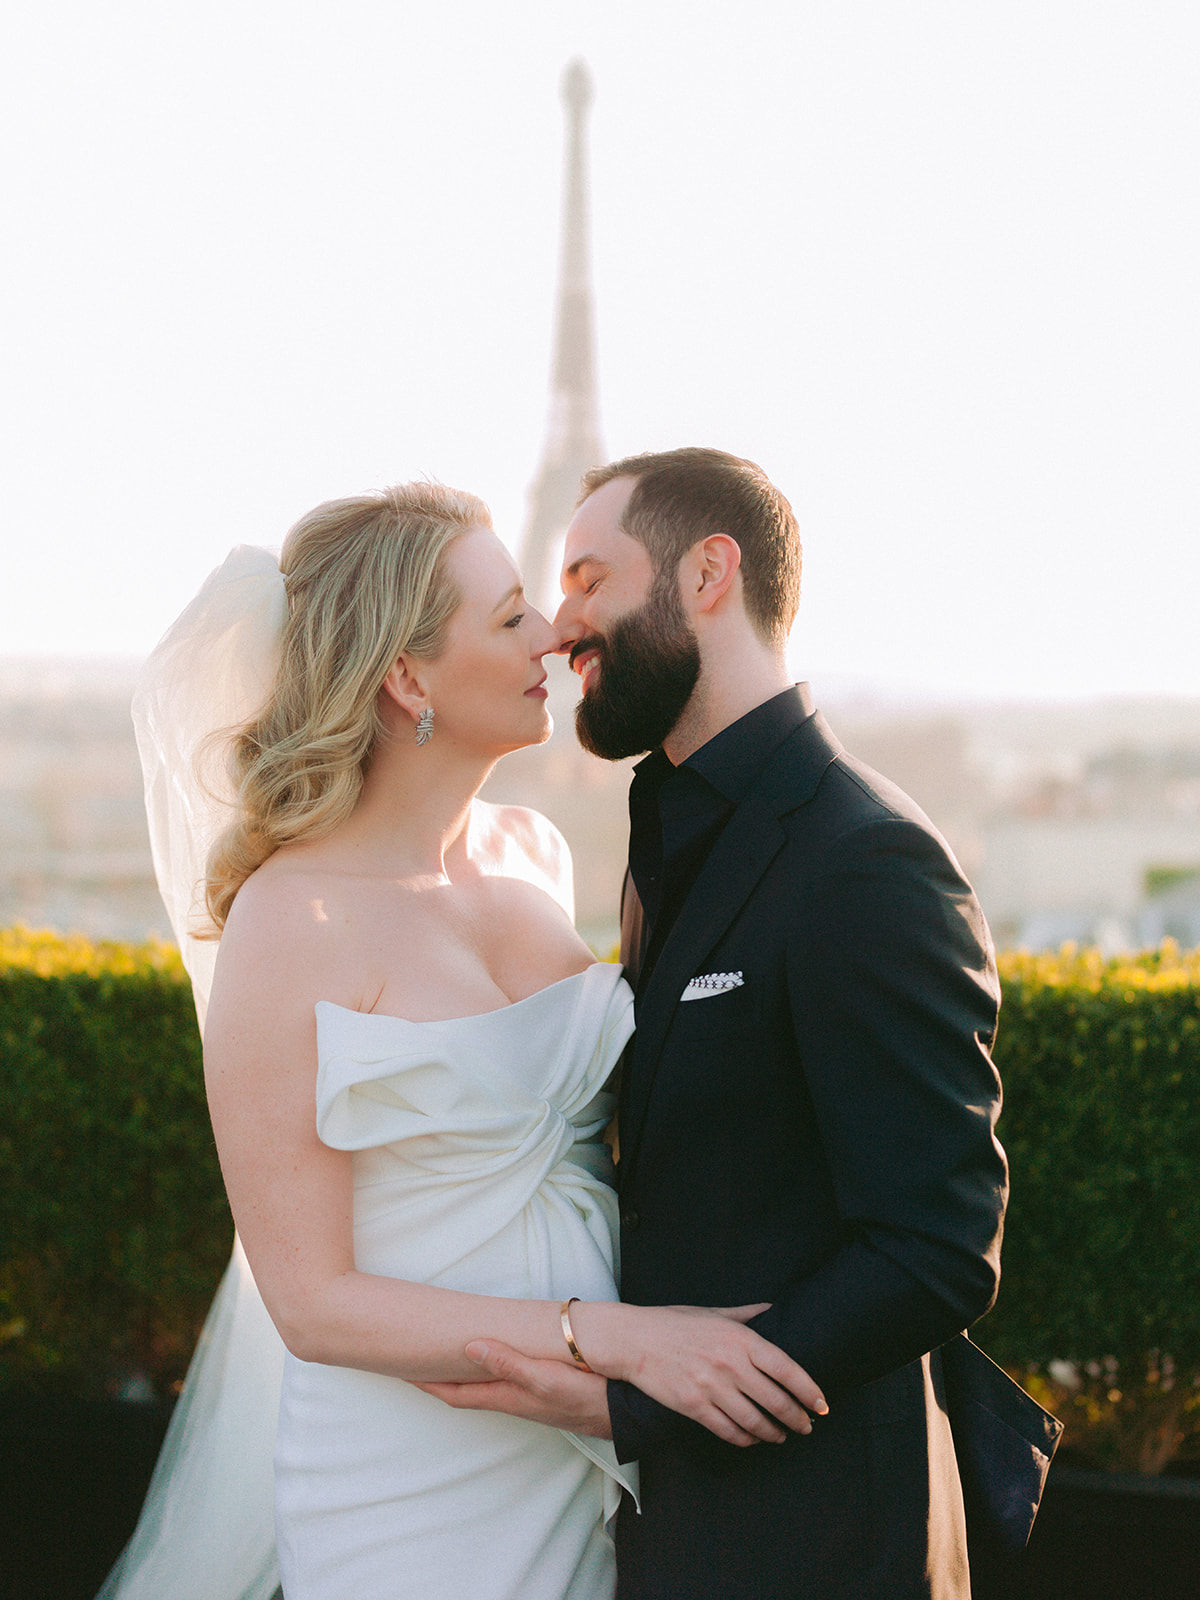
[[630, 1219]]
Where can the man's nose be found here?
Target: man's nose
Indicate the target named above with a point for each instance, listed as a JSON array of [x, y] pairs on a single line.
[[566, 624]]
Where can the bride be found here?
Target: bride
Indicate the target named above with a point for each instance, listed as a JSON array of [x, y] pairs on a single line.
[[408, 1055]]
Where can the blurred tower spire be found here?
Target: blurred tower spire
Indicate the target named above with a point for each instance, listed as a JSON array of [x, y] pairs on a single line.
[[573, 436]]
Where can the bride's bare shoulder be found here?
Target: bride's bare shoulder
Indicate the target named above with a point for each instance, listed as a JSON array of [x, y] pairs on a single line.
[[517, 842], [286, 934], [284, 892]]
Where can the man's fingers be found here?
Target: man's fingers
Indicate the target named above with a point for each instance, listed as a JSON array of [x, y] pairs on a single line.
[[470, 1396], [511, 1379], [491, 1357], [503, 1362], [511, 1398]]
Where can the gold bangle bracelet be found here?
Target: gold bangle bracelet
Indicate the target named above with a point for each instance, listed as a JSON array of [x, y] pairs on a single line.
[[564, 1317]]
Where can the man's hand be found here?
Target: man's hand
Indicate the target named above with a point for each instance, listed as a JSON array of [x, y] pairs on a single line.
[[540, 1391]]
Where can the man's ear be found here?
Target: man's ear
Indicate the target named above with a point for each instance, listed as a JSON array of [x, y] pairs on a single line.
[[405, 687], [709, 569]]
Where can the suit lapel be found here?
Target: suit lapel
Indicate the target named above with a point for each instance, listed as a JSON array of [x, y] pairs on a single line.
[[747, 845]]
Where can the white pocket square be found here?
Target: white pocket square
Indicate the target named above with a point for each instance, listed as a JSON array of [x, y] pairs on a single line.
[[710, 983]]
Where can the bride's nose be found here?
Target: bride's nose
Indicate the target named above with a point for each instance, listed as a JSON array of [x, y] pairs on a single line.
[[545, 638]]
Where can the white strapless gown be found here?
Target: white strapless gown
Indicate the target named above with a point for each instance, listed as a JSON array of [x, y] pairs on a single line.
[[478, 1165]]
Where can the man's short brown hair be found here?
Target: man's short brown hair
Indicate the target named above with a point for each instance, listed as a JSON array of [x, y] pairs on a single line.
[[683, 496]]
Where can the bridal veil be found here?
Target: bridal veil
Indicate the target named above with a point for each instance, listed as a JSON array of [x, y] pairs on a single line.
[[206, 1531]]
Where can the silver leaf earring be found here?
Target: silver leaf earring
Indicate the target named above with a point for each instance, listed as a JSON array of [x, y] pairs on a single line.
[[425, 726]]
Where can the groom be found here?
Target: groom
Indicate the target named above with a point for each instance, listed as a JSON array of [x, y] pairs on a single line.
[[808, 1104]]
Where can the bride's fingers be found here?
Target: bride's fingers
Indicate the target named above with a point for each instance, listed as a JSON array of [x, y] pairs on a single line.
[[790, 1376], [777, 1403], [719, 1421], [791, 1392], [759, 1394], [739, 1313], [755, 1404]]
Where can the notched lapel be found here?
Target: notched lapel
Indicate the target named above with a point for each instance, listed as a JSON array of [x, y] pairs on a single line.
[[748, 844]]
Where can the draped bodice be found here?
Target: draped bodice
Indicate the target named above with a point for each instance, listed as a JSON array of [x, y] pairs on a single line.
[[465, 1129]]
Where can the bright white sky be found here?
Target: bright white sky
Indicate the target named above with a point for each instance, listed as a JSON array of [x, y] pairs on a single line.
[[933, 263]]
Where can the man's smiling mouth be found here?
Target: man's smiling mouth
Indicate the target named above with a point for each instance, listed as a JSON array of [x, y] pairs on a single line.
[[586, 664]]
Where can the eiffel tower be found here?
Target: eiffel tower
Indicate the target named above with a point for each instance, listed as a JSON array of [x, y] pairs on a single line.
[[584, 796], [573, 436]]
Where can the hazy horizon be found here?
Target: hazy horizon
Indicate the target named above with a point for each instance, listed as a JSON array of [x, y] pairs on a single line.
[[109, 673]]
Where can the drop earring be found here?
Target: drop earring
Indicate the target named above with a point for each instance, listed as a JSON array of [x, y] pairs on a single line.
[[425, 726]]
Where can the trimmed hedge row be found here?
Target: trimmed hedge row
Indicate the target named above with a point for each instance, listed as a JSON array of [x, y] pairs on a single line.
[[1101, 1264], [113, 1218], [115, 1228]]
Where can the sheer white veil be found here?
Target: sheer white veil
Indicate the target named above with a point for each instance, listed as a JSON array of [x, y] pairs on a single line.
[[206, 1530]]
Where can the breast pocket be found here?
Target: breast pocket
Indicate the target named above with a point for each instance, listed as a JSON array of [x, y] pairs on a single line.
[[709, 1009]]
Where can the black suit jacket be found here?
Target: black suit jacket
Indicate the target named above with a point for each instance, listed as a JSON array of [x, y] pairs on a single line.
[[820, 1136]]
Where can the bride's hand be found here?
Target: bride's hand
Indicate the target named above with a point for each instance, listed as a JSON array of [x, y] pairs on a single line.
[[703, 1362]]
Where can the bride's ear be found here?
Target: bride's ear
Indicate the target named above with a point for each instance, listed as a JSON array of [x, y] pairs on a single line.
[[403, 686]]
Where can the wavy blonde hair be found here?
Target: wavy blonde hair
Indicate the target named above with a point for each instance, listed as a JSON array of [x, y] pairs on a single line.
[[366, 578]]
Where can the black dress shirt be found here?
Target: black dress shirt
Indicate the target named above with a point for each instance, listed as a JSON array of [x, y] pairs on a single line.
[[676, 814]]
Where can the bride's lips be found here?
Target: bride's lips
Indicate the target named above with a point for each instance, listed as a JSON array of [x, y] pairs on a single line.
[[538, 690]]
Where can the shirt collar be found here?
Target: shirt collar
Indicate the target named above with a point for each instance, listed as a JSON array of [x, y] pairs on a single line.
[[733, 760]]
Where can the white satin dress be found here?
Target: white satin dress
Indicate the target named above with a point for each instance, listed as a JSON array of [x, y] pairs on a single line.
[[478, 1165]]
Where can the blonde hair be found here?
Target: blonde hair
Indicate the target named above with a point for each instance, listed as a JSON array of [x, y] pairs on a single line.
[[366, 579]]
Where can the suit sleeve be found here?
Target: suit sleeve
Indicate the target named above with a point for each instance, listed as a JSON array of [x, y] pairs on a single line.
[[893, 998]]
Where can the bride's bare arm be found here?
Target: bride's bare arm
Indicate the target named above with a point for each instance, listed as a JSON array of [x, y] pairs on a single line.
[[292, 1196]]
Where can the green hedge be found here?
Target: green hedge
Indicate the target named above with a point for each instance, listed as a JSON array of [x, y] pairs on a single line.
[[1101, 1263], [113, 1217], [115, 1227]]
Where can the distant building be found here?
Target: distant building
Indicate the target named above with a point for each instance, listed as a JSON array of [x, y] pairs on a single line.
[[1172, 913], [1043, 881], [74, 850], [1071, 857]]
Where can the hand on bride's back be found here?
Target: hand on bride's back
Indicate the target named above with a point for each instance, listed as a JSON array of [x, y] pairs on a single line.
[[703, 1362]]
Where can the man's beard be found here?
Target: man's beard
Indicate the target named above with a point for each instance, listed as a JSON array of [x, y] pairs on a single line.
[[649, 664]]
